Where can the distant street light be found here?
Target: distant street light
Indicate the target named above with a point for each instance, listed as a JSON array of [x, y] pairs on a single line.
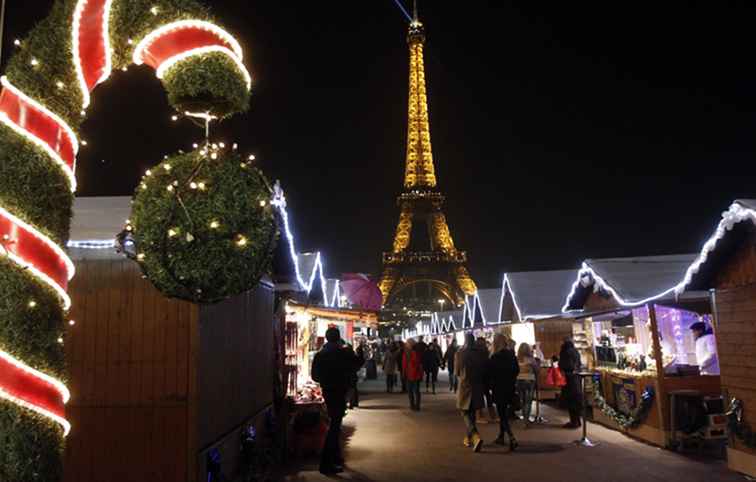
[[441, 302]]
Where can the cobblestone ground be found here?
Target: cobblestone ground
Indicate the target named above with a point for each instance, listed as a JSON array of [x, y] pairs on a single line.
[[385, 441]]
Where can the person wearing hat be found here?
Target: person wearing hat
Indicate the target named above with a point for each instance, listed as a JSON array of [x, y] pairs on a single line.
[[706, 348], [333, 368]]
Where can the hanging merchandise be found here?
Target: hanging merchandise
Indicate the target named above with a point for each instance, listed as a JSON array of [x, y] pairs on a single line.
[[46, 90], [202, 225]]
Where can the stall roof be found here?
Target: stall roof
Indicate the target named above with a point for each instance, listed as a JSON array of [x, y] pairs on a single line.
[[95, 224], [489, 305], [538, 294], [630, 281], [337, 314], [736, 224]]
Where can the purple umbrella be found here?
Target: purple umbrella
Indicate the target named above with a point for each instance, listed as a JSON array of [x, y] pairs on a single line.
[[361, 291]]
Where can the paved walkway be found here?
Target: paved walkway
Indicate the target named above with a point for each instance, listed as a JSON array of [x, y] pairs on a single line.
[[388, 442]]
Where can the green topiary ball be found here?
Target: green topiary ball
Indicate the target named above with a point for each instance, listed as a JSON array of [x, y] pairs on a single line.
[[202, 227], [210, 83]]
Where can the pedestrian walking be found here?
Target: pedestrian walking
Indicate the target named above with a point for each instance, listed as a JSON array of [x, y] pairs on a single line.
[[413, 371], [389, 368], [354, 394], [487, 413], [401, 346], [431, 364], [569, 363], [449, 356], [333, 367], [470, 367], [501, 374], [526, 379]]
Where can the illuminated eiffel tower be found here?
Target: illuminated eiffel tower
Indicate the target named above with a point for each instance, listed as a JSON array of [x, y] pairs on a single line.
[[422, 277]]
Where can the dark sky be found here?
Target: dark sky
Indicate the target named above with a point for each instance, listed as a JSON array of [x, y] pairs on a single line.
[[559, 133]]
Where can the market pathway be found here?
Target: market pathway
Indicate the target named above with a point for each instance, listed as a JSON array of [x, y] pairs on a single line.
[[387, 442]]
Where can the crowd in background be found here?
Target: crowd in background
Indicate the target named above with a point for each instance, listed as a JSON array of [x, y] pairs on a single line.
[[493, 384]]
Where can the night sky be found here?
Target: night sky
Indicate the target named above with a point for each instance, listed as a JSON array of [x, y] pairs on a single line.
[[559, 133]]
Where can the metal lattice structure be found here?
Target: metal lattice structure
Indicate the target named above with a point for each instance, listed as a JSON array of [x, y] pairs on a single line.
[[441, 267]]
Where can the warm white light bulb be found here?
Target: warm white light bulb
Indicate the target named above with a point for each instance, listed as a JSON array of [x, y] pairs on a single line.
[[154, 10], [252, 157], [34, 62], [60, 84], [148, 173], [174, 118], [83, 142], [213, 156], [172, 233], [170, 188], [214, 225], [263, 203], [167, 167], [32, 304], [141, 256], [193, 185], [242, 241], [17, 42], [72, 322]]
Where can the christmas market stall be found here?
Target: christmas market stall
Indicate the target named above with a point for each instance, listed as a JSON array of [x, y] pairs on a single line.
[[651, 382], [161, 388], [727, 266], [305, 335], [531, 308]]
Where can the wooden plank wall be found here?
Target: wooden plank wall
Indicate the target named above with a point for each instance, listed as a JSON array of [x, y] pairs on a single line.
[[237, 369], [736, 347], [550, 334], [130, 365]]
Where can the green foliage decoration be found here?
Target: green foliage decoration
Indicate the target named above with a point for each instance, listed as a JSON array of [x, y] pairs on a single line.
[[34, 189], [203, 225]]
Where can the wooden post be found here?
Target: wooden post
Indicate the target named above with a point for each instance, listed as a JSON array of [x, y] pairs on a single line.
[[661, 392]]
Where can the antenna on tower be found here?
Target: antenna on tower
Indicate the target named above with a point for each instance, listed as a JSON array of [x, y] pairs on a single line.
[[416, 17]]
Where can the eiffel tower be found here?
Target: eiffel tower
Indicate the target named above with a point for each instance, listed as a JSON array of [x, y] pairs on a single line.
[[422, 278]]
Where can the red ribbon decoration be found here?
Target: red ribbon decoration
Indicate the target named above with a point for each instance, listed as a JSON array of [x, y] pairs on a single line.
[[28, 246], [92, 43], [23, 385], [39, 124], [180, 40]]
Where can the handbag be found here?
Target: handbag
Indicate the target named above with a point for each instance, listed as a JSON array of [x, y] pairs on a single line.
[[555, 377]]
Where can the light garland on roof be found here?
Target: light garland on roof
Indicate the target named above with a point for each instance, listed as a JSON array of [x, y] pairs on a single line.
[[736, 214], [279, 201], [600, 284]]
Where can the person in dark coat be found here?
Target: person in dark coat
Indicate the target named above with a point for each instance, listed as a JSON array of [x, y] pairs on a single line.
[[501, 374], [448, 363], [431, 364], [569, 363], [333, 368], [400, 353], [470, 367]]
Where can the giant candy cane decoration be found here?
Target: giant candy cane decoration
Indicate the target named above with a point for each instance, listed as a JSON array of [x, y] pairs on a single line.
[[25, 245]]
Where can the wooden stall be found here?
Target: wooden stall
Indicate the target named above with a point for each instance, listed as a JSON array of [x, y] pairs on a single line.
[[156, 384], [531, 307], [727, 265], [639, 333]]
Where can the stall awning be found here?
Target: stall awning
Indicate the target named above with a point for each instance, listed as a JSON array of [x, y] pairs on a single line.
[[370, 318]]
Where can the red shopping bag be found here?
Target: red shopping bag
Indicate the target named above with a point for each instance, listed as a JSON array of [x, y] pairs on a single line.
[[555, 377]]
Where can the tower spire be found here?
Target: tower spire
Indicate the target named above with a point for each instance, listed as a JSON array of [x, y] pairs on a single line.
[[416, 17]]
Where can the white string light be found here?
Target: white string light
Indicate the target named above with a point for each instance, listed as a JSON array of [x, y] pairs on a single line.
[[172, 61], [226, 37]]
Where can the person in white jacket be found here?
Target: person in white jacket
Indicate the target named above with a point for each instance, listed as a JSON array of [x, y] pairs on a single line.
[[706, 349]]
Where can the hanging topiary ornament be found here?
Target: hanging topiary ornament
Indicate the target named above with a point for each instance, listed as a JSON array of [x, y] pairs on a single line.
[[202, 227]]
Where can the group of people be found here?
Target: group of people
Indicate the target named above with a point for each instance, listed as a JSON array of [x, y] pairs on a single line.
[[410, 362], [495, 378]]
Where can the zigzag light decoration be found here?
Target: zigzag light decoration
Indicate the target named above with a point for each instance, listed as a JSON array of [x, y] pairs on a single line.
[[23, 243]]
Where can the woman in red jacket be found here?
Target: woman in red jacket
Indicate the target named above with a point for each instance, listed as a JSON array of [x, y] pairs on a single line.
[[412, 370]]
